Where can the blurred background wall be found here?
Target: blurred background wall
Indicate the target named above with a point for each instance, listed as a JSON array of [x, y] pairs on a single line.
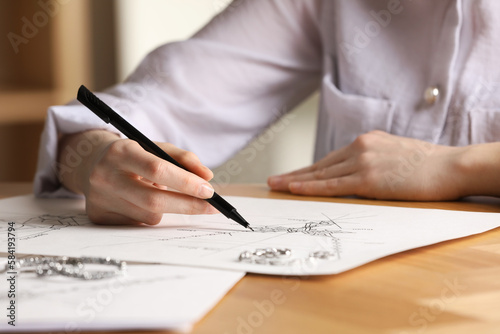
[[53, 46], [47, 49]]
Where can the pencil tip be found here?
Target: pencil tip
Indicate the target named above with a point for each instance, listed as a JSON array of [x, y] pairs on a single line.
[[240, 220]]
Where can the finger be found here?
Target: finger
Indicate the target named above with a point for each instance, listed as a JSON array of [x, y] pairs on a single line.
[[162, 172], [334, 157], [341, 169], [342, 186], [278, 182], [114, 218], [154, 200], [187, 159], [121, 213], [124, 212], [159, 186]]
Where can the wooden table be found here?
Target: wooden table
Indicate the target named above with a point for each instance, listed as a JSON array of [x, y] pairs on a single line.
[[451, 287]]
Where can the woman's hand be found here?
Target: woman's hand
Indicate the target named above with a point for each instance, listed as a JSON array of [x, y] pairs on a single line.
[[382, 166], [124, 184]]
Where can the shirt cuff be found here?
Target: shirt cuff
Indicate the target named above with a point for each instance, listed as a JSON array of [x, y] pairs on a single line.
[[62, 120]]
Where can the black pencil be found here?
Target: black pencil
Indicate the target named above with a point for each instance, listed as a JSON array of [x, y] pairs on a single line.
[[108, 115]]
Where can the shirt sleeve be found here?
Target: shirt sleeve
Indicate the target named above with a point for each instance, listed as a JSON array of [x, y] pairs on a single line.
[[210, 94]]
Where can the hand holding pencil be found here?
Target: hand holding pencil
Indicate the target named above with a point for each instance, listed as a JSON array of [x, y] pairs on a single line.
[[143, 161], [124, 184]]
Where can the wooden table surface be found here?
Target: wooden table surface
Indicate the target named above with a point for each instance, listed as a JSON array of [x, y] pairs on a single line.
[[451, 287]]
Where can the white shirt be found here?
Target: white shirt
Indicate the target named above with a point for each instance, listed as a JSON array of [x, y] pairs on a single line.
[[372, 60]]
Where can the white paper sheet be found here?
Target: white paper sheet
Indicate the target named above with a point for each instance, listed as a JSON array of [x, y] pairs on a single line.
[[354, 234], [147, 297]]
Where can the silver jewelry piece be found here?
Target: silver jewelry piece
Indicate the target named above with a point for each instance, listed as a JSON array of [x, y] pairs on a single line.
[[322, 255], [272, 256], [73, 267]]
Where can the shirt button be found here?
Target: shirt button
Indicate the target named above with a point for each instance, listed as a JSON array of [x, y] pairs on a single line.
[[431, 95]]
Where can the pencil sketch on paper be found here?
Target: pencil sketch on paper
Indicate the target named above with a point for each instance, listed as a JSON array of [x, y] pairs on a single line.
[[311, 228], [340, 236], [40, 225], [203, 241], [176, 297]]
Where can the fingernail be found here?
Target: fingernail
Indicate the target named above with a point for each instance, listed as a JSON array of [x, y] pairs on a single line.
[[206, 191], [294, 186]]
